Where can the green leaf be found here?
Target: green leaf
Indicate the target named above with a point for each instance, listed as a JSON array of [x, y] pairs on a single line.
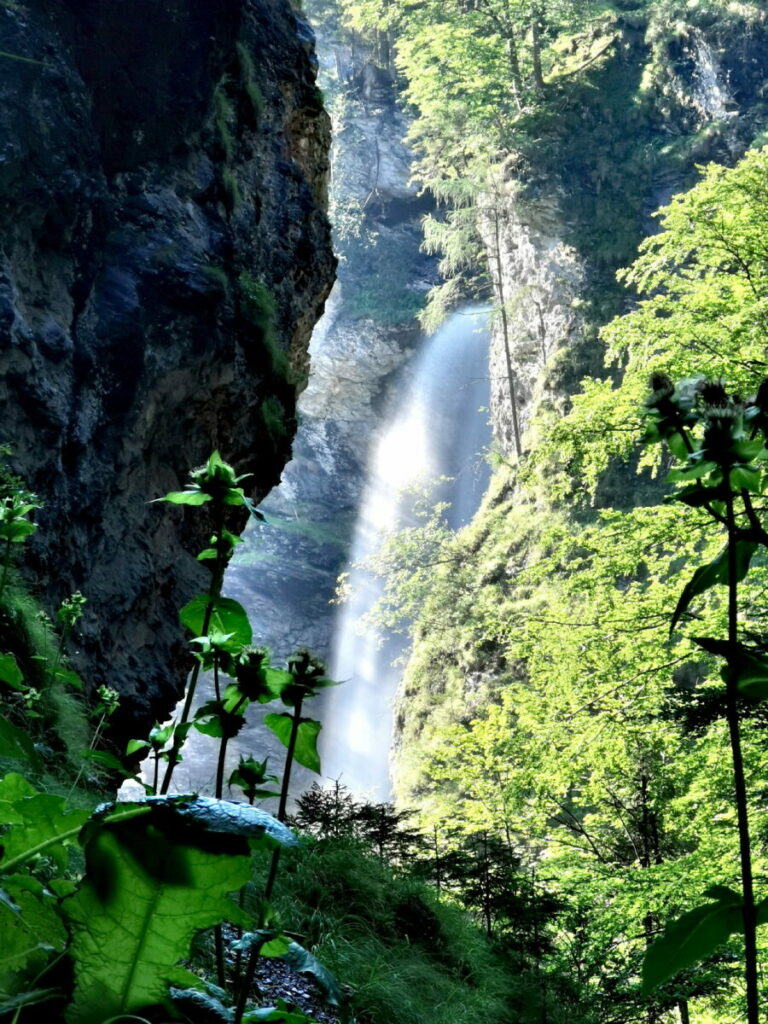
[[693, 471], [186, 498], [747, 668], [303, 961], [16, 744], [107, 760], [227, 616], [279, 1014], [40, 823], [714, 572], [270, 942], [144, 897], [762, 911], [33, 997], [137, 746], [306, 739], [202, 816], [10, 673], [197, 1005], [691, 938], [71, 678], [697, 496], [745, 478], [32, 934]]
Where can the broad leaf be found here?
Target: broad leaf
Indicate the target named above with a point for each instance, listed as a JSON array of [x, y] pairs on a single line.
[[39, 824], [145, 895], [32, 933], [10, 673], [17, 745], [749, 669], [691, 938], [714, 572], [227, 617], [200, 817], [305, 751], [279, 1014], [302, 960]]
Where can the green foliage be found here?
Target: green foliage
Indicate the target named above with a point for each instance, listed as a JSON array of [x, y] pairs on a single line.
[[248, 79], [702, 304]]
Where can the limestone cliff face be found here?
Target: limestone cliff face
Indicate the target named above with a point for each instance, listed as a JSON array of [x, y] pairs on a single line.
[[163, 173], [575, 202], [286, 572]]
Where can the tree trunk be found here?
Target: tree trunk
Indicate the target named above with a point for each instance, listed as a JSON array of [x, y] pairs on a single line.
[[505, 333], [537, 17], [514, 71]]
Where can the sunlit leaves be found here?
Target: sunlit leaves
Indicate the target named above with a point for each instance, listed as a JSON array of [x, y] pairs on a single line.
[[693, 936], [227, 618], [305, 751]]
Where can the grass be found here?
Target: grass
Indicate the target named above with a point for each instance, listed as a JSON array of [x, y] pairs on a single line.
[[407, 958]]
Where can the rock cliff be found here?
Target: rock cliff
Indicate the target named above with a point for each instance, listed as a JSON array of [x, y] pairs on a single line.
[[286, 573], [592, 166], [164, 255]]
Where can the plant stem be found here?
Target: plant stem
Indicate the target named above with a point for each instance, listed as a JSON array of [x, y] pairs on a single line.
[[253, 958], [214, 591], [6, 567], [732, 715]]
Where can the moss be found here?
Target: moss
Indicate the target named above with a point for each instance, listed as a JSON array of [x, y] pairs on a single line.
[[248, 81], [232, 194], [224, 117], [274, 417], [259, 307]]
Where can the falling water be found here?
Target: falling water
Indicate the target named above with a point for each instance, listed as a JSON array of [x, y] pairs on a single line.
[[436, 429], [711, 95]]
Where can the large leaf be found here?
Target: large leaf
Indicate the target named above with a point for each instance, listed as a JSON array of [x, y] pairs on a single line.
[[302, 960], [282, 1013], [10, 673], [305, 751], [145, 895], [747, 668], [197, 818], [691, 938], [227, 617], [714, 572], [16, 745], [32, 932], [39, 824]]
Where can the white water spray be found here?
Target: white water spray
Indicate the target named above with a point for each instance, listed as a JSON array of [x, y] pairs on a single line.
[[437, 428]]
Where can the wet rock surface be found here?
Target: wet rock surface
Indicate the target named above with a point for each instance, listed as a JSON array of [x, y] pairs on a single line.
[[158, 158]]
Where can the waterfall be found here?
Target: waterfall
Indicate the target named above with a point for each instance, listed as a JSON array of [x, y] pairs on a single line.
[[434, 432], [711, 95], [436, 428]]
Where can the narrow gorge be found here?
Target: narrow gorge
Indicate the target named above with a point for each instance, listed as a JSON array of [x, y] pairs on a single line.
[[383, 448]]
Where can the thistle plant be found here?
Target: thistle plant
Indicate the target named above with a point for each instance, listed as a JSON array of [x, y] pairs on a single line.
[[720, 443], [208, 616]]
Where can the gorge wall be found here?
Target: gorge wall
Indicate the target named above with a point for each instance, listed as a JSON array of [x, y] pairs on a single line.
[[164, 255], [286, 572], [660, 95]]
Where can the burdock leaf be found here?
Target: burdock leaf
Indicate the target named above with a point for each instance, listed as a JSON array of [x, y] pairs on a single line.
[[691, 938], [306, 739], [227, 616], [39, 824], [131, 926], [302, 960], [32, 932]]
